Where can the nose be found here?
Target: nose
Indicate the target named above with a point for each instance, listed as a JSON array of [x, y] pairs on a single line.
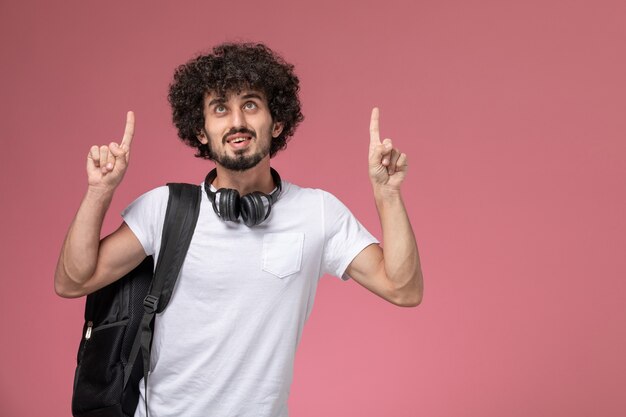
[[238, 118]]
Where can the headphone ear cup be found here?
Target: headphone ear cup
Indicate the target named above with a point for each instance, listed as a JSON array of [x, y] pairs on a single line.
[[229, 205], [253, 209]]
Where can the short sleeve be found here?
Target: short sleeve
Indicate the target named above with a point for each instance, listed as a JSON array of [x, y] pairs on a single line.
[[345, 237], [145, 216]]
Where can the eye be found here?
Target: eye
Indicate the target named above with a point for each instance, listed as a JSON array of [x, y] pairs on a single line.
[[250, 105], [220, 108]]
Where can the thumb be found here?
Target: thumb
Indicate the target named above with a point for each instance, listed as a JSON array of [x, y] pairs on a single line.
[[381, 153], [120, 153]]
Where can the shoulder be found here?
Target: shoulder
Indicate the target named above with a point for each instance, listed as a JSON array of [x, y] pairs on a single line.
[[291, 190], [154, 198], [157, 193], [292, 193], [312, 197]]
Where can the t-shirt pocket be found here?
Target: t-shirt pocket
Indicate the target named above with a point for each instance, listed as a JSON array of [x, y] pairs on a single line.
[[282, 253]]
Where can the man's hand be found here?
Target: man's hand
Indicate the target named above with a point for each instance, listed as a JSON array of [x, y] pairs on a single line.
[[86, 264], [106, 165], [393, 271], [387, 166]]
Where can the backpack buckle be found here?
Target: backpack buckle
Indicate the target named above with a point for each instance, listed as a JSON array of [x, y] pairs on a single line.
[[150, 303]]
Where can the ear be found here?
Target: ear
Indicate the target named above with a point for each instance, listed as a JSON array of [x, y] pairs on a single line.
[[277, 129], [202, 137]]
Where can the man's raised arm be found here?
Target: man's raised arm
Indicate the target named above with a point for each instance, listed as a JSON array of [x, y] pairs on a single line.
[[86, 263], [393, 272]]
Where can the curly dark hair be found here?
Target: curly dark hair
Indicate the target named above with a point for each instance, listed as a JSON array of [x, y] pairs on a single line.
[[233, 67]]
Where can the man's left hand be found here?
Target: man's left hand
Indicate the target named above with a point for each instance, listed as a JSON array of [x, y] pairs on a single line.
[[387, 165]]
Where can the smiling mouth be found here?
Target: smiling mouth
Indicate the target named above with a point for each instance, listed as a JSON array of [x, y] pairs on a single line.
[[239, 139], [238, 136]]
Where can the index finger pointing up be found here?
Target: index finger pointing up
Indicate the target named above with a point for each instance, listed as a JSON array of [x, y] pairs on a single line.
[[129, 130], [374, 133]]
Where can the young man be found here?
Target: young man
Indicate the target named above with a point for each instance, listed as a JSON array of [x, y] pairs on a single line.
[[225, 345]]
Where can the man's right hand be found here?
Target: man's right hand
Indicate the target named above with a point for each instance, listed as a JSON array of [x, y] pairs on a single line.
[[86, 263], [106, 165]]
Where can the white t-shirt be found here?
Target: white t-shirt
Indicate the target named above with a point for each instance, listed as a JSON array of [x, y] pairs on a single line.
[[225, 344]]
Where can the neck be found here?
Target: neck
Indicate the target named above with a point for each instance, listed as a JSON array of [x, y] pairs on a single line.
[[258, 178]]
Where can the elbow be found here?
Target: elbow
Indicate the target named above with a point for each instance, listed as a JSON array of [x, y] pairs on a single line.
[[68, 294], [65, 292], [65, 287], [410, 295], [409, 300], [62, 293]]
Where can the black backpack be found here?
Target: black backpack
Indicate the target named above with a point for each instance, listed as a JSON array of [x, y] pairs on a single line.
[[114, 353]]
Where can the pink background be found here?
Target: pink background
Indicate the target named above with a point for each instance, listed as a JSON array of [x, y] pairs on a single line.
[[512, 114]]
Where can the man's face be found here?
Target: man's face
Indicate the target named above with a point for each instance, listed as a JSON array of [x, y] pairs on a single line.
[[238, 129]]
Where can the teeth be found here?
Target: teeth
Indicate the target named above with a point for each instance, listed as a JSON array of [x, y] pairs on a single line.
[[239, 140]]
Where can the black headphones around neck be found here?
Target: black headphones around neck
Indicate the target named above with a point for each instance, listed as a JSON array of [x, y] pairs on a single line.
[[254, 207]]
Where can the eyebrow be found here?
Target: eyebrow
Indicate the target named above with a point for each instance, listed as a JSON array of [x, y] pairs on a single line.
[[218, 100], [222, 100], [252, 95]]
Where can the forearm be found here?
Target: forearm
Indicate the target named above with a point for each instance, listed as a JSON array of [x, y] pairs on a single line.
[[79, 254], [401, 258]]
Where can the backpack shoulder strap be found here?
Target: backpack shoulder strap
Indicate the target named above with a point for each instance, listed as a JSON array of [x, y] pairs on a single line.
[[181, 216]]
